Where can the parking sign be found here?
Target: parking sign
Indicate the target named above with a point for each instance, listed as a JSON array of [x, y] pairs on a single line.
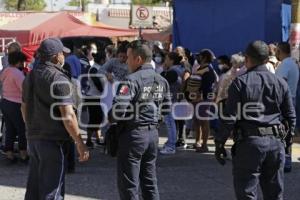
[[142, 16]]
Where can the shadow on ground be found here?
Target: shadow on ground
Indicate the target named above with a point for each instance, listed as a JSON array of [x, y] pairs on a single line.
[[186, 175]]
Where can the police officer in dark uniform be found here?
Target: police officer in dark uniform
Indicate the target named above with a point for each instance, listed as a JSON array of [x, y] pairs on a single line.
[[258, 102], [138, 106], [51, 122]]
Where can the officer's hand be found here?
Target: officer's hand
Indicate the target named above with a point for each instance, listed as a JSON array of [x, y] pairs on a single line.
[[110, 77], [289, 137], [83, 152], [220, 152]]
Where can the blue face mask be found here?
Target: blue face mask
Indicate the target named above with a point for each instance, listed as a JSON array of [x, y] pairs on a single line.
[[158, 59]]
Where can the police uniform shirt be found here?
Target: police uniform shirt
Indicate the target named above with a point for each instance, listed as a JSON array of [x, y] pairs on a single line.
[[141, 98], [44, 90], [258, 98]]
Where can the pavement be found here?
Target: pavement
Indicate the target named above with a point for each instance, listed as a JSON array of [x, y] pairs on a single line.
[[186, 175]]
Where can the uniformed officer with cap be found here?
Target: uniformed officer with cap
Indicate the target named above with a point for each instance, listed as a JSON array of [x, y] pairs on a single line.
[[139, 103], [258, 102], [50, 121]]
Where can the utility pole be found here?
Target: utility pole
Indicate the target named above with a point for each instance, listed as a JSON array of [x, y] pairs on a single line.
[[295, 30], [80, 5], [51, 5]]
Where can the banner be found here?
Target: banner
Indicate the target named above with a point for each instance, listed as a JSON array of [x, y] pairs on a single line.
[[295, 30]]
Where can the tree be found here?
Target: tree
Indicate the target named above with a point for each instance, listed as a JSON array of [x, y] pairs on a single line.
[[20, 4], [77, 3], [37, 5], [147, 2]]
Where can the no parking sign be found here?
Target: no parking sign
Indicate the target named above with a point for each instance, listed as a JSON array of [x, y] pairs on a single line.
[[142, 16]]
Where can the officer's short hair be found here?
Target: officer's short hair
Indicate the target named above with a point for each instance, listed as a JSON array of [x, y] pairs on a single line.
[[258, 51], [284, 47], [141, 48]]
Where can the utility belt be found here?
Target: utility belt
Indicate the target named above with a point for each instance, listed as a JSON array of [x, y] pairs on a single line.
[[147, 127], [277, 131]]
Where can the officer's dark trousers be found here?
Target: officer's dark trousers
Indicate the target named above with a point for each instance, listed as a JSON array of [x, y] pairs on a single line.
[[137, 164], [46, 170], [258, 160]]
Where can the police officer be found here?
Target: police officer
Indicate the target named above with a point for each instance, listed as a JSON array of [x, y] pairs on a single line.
[[258, 101], [50, 120], [138, 105]]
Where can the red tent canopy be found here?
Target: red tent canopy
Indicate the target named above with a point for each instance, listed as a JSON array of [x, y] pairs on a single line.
[[34, 28]]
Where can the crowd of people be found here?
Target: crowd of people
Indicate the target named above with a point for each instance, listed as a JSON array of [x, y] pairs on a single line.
[[197, 81], [202, 74]]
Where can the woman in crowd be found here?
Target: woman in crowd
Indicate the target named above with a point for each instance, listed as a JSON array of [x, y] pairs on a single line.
[[172, 62], [110, 52], [184, 62], [12, 78], [159, 59], [93, 99], [273, 61], [237, 62], [223, 65], [208, 79], [184, 71], [11, 47]]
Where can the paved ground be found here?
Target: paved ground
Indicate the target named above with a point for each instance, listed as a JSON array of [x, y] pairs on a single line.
[[186, 175]]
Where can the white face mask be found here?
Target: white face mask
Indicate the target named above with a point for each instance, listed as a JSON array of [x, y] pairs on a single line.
[[196, 64], [158, 59], [107, 57], [94, 51], [60, 65], [221, 67]]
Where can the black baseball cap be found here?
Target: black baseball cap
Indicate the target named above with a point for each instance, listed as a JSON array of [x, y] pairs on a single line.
[[52, 46], [207, 53]]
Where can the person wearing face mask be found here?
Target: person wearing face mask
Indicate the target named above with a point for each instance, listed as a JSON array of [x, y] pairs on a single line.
[[51, 123], [223, 65], [116, 69], [91, 49], [237, 62], [159, 59], [110, 52], [172, 76], [12, 78], [206, 90]]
